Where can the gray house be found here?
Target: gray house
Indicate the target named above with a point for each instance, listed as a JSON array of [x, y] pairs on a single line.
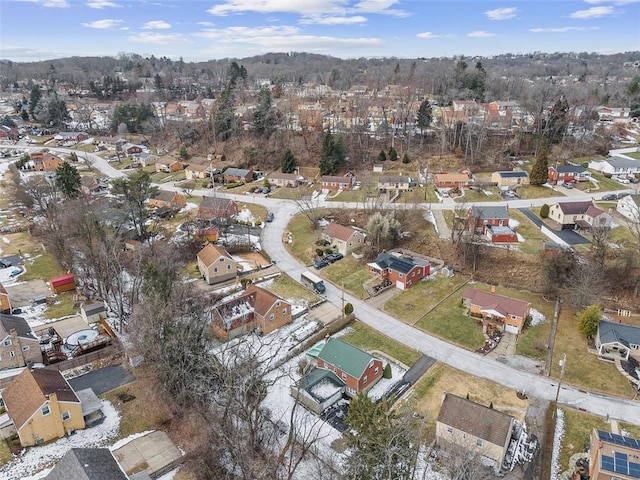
[[618, 340]]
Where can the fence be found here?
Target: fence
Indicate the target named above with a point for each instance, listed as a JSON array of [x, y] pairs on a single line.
[[111, 352]]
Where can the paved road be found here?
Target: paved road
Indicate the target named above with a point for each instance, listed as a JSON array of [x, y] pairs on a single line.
[[480, 366]]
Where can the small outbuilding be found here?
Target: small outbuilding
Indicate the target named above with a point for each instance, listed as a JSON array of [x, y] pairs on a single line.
[[63, 283], [93, 313]]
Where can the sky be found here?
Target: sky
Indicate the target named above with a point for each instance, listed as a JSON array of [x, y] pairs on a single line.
[[32, 30]]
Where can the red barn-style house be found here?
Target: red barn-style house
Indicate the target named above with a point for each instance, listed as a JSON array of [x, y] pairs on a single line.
[[401, 267]]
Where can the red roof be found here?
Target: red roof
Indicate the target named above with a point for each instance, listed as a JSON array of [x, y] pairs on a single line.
[[62, 280]]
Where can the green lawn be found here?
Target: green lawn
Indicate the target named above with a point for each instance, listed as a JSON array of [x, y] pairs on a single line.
[[531, 232], [367, 338], [633, 430], [290, 193], [534, 191], [303, 245], [577, 432], [43, 267], [348, 272], [607, 183], [410, 305], [473, 196], [258, 211], [622, 236], [285, 287], [62, 307], [635, 155]]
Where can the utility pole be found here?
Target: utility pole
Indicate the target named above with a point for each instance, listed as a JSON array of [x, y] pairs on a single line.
[[563, 363], [342, 298]]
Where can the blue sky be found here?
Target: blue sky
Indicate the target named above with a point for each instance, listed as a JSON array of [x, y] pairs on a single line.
[[32, 30]]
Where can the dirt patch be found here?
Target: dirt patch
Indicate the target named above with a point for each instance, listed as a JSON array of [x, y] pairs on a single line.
[[255, 258]]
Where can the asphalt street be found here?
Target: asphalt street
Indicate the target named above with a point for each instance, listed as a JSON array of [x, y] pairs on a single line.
[[475, 364]]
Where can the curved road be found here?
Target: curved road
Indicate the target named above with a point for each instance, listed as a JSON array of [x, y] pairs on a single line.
[[478, 365]]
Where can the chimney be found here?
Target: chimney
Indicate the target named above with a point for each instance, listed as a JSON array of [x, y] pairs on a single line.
[[493, 289], [326, 338]]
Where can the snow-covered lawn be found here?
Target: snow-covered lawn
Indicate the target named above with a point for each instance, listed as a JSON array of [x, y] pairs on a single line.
[[385, 384], [35, 459], [245, 216], [536, 317]]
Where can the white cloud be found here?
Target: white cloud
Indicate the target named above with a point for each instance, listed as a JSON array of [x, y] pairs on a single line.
[[309, 8], [501, 13], [480, 34], [206, 24], [248, 32], [432, 35], [593, 12], [156, 25], [379, 6], [158, 38], [100, 4], [561, 29], [615, 2], [106, 24], [49, 3], [318, 20]]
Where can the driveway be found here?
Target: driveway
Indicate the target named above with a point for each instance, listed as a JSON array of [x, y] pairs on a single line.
[[103, 380], [570, 237]]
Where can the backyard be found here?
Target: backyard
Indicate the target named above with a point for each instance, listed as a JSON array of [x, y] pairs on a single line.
[[349, 273]]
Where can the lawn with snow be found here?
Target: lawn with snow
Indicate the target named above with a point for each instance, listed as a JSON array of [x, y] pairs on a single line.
[[385, 384], [35, 459], [245, 216], [536, 317]]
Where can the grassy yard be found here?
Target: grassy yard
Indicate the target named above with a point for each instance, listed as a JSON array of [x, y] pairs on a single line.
[[427, 394], [285, 287], [473, 196], [577, 431], [533, 340], [633, 430], [302, 246], [258, 211], [292, 193], [43, 267], [621, 236], [534, 191], [360, 195], [5, 453], [18, 243], [607, 183], [532, 235], [635, 155], [367, 338], [348, 272], [410, 305], [583, 369], [62, 307]]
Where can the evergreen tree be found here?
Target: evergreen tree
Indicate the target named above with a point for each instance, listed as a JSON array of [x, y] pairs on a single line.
[[393, 154], [540, 170], [264, 117], [425, 114], [288, 162], [382, 156], [34, 98], [68, 180], [588, 320], [405, 159], [184, 154], [224, 119], [332, 154]]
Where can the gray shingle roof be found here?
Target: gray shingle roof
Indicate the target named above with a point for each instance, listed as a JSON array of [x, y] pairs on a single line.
[[87, 464], [489, 211], [9, 322], [513, 174], [611, 332], [619, 162]]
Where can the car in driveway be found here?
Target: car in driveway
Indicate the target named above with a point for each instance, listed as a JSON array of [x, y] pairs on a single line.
[[5, 263], [323, 262], [334, 257], [609, 196], [622, 195], [567, 185]]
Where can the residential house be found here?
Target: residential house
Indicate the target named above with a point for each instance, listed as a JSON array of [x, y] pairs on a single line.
[[318, 390], [168, 165], [501, 235], [584, 214], [51, 162], [192, 109], [567, 173], [629, 207], [43, 406], [213, 208], [87, 464], [401, 267], [167, 199], [497, 311], [131, 149], [280, 179], [18, 345], [5, 301], [451, 180], [67, 138], [63, 283], [614, 114], [215, 264], [237, 175], [618, 340], [471, 427], [206, 234], [482, 216], [335, 182], [9, 132], [89, 186], [510, 178], [618, 166], [396, 182], [613, 456], [255, 309], [195, 171], [145, 159], [357, 369], [93, 312], [344, 238]]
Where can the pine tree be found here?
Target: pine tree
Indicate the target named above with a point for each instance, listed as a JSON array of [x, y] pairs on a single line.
[[68, 180], [332, 154], [540, 171], [589, 319], [425, 114], [288, 163], [184, 154], [405, 159], [382, 156], [393, 154]]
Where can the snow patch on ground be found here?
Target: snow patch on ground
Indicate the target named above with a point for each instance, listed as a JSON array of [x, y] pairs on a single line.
[[246, 216], [384, 384], [536, 317], [513, 224], [35, 459], [558, 436], [190, 206]]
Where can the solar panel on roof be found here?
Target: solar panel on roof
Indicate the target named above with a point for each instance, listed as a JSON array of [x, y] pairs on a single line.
[[619, 439], [634, 469], [607, 463]]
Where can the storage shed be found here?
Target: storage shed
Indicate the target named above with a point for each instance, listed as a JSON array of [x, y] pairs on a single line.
[[63, 283]]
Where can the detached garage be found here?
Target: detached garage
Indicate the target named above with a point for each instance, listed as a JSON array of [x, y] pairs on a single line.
[[63, 283]]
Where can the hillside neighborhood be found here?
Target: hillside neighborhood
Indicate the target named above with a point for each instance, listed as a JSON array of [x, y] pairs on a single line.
[[362, 282]]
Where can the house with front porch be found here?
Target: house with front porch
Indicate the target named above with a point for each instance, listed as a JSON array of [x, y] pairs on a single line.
[[616, 166], [215, 264], [400, 267], [583, 214], [498, 311], [238, 175], [344, 238], [567, 173], [401, 183], [510, 178], [618, 340], [480, 217], [280, 179], [334, 182], [451, 180]]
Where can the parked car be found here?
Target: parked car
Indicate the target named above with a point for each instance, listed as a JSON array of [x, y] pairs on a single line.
[[321, 263], [5, 263], [270, 217], [266, 190], [622, 180], [334, 257], [567, 185], [609, 196], [622, 195], [633, 179]]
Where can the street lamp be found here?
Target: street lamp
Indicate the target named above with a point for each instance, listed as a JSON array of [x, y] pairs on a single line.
[[562, 363]]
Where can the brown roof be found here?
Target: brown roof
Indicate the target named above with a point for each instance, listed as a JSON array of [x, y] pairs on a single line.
[[475, 419], [198, 167], [575, 208], [216, 203], [264, 299], [210, 253], [341, 232], [3, 290], [166, 196], [451, 177], [29, 390], [499, 303], [594, 211]]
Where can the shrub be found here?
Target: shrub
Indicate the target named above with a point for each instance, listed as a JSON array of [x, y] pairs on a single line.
[[544, 211], [319, 252], [387, 371], [348, 309]]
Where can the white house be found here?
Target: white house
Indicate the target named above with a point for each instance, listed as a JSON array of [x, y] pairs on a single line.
[[629, 207], [616, 166]]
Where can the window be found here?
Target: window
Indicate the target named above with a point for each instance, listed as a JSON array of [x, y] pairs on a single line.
[[45, 410], [272, 316], [215, 269], [12, 353], [7, 342], [65, 416], [228, 267], [221, 259], [365, 379], [25, 348], [344, 376], [479, 442], [376, 370], [450, 429], [278, 303], [284, 311]]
